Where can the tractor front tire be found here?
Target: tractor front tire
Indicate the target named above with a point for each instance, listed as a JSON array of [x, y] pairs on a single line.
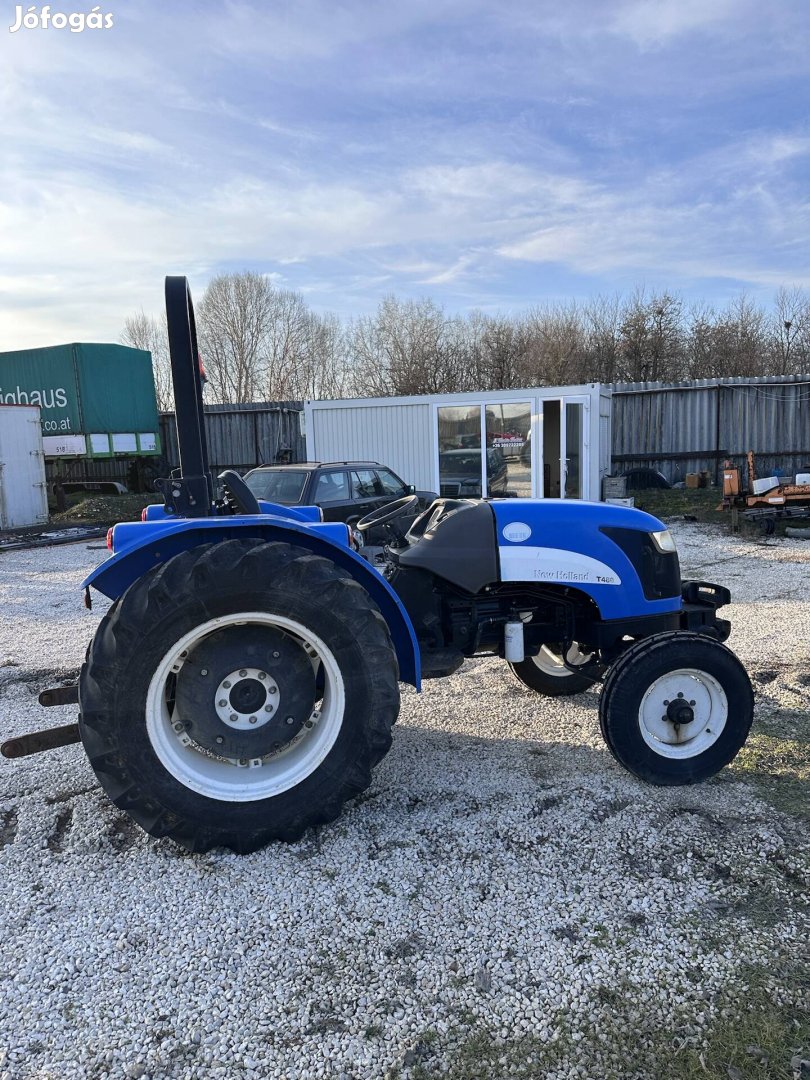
[[676, 708], [239, 693]]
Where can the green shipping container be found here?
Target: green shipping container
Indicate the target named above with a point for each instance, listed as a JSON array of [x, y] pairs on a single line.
[[96, 400]]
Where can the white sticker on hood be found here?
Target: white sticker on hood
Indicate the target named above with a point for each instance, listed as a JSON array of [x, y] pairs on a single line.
[[556, 566], [517, 531]]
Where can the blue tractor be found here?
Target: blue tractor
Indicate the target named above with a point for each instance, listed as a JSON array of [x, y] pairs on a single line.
[[245, 681]]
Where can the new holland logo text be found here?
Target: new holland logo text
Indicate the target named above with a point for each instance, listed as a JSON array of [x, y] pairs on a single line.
[[35, 18]]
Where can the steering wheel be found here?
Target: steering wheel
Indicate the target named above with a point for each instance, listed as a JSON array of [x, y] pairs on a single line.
[[238, 492], [384, 515]]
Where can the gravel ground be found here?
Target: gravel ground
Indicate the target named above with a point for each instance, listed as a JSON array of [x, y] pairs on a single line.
[[504, 900]]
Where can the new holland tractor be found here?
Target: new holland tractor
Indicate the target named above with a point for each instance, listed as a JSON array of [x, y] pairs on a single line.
[[245, 680]]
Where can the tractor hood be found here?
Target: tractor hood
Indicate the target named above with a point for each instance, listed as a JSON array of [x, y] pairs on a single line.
[[622, 558]]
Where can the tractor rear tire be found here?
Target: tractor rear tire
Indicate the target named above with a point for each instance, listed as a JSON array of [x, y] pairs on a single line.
[[676, 708], [546, 673], [313, 681]]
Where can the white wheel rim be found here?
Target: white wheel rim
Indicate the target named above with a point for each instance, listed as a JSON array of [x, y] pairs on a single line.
[[706, 698], [251, 779], [551, 663]]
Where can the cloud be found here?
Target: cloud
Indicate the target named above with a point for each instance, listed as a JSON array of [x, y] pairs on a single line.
[[653, 23], [483, 154]]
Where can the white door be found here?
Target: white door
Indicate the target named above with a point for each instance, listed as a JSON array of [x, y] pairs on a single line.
[[575, 448], [562, 448], [23, 491]]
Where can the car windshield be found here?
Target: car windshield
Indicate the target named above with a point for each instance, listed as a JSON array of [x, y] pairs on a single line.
[[285, 486], [466, 464]]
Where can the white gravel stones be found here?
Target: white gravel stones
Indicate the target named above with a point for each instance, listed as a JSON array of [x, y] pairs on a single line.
[[502, 875]]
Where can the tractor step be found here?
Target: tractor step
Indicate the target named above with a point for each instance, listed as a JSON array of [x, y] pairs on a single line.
[[441, 662], [60, 695], [37, 741]]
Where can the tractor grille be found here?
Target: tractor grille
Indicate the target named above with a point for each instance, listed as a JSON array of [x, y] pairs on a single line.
[[659, 572]]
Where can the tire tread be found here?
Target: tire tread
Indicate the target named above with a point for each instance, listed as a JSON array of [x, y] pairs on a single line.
[[185, 579]]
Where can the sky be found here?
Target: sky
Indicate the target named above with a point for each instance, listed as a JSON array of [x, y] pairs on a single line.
[[488, 155]]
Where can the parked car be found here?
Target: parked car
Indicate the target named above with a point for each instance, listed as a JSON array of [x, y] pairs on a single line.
[[344, 490], [460, 473]]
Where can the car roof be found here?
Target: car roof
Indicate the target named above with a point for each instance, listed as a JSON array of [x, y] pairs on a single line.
[[312, 465]]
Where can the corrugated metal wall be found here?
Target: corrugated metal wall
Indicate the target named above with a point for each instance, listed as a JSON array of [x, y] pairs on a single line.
[[243, 436], [358, 433], [690, 426], [239, 437]]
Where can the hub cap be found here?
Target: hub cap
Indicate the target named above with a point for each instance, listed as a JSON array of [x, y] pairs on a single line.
[[246, 691], [683, 713], [549, 659], [283, 708]]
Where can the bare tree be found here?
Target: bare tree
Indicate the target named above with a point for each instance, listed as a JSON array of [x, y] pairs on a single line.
[[555, 351], [232, 321], [286, 343], [701, 361], [408, 347], [321, 368], [602, 328], [141, 331], [651, 337], [741, 339], [790, 331], [496, 351], [260, 342]]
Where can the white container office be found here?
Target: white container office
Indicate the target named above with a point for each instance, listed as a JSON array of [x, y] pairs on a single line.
[[541, 442]]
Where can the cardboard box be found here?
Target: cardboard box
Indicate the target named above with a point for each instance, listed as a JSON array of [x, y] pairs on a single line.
[[731, 481], [629, 501], [693, 480]]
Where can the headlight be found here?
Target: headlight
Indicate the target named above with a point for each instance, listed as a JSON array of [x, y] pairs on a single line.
[[663, 541]]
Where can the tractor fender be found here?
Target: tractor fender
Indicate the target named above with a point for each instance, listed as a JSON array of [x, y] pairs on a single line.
[[139, 546]]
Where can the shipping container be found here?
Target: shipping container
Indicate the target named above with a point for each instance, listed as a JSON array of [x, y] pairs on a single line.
[[23, 495], [96, 401]]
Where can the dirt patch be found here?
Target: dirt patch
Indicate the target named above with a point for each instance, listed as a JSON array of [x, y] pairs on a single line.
[[87, 508], [8, 827], [56, 841]]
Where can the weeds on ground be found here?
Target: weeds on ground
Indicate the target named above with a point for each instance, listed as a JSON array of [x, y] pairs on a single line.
[[766, 1036], [699, 503], [780, 769]]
